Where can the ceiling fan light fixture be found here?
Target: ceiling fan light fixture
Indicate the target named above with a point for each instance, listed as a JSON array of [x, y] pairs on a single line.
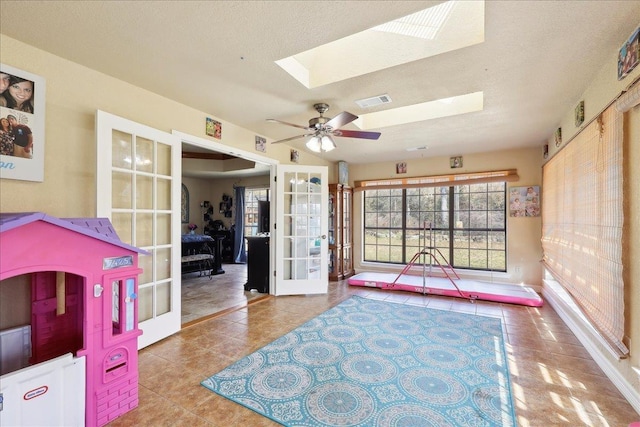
[[327, 143], [320, 143], [314, 144]]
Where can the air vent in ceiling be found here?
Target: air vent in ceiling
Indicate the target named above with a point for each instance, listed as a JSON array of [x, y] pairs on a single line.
[[423, 147], [374, 101]]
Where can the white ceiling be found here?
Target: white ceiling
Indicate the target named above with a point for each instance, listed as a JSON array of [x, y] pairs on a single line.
[[219, 57]]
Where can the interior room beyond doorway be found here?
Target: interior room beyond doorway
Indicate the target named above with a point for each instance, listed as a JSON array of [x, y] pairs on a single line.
[[209, 180]]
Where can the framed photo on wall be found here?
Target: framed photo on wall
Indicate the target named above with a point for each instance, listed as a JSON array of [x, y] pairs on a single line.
[[629, 55], [455, 162], [22, 105], [524, 201], [261, 144], [214, 128]]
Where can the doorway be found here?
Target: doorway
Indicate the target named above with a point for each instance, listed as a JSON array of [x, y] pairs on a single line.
[[210, 174]]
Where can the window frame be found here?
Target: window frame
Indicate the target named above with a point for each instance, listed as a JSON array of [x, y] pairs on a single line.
[[251, 209], [446, 231]]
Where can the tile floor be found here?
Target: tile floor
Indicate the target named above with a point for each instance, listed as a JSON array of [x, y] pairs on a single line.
[[554, 380], [204, 296]]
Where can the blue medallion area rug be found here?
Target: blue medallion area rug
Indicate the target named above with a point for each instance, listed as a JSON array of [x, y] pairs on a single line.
[[373, 363]]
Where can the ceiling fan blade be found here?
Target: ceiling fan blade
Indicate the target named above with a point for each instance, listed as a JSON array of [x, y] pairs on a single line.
[[291, 139], [356, 134], [341, 120], [289, 124]]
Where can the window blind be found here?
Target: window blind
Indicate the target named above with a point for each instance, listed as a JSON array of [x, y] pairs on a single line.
[[582, 219]]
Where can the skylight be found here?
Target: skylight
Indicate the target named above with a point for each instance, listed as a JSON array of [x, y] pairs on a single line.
[[442, 28], [424, 24], [446, 107]]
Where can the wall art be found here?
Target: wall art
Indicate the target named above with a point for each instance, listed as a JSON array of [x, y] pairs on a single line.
[[629, 55], [22, 118], [261, 144], [579, 113], [524, 201], [343, 173], [214, 128], [184, 205], [455, 162]]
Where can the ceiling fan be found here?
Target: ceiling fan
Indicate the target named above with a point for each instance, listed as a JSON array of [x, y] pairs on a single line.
[[322, 129]]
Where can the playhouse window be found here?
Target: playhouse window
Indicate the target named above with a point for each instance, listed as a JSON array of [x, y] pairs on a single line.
[[115, 306], [122, 305]]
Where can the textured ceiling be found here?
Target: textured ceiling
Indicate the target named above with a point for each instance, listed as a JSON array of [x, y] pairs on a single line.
[[219, 57]]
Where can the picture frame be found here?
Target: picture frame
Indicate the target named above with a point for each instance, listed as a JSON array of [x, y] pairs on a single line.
[[629, 54], [343, 173], [261, 144], [401, 167], [295, 156], [184, 205], [524, 201], [455, 162], [558, 137], [22, 123], [579, 113], [214, 128]]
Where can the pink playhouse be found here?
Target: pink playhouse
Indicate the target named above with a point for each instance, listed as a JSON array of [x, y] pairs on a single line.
[[76, 363]]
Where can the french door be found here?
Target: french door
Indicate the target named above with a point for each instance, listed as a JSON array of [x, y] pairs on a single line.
[[138, 189], [302, 213]]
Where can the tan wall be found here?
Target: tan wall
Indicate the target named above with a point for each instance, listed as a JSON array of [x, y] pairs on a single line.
[[523, 236], [212, 190], [73, 94]]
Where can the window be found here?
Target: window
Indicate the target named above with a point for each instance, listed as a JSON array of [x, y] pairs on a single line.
[[252, 196], [466, 223]]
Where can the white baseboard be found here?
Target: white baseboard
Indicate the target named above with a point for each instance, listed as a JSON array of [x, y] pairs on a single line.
[[589, 341]]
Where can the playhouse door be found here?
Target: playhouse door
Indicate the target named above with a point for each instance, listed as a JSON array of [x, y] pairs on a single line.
[[136, 166]]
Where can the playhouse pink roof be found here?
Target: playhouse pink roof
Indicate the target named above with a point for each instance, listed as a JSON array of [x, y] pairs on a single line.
[[97, 228]]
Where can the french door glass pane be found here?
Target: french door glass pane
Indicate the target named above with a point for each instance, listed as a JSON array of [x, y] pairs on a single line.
[[163, 264], [163, 298], [163, 194], [163, 228], [163, 161], [144, 192], [144, 229], [144, 155], [145, 262], [121, 190], [123, 224], [121, 150], [145, 303]]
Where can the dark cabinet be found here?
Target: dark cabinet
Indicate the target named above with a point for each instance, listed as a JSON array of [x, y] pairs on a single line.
[[257, 264], [340, 237]]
